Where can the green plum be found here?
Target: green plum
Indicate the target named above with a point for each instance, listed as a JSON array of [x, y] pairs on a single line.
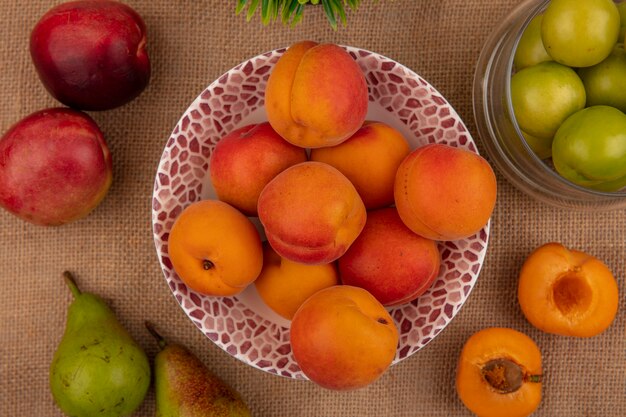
[[589, 149], [541, 147], [580, 33], [530, 49], [605, 83], [544, 95], [621, 7]]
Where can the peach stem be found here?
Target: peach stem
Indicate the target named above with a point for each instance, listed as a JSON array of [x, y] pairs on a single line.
[[533, 378]]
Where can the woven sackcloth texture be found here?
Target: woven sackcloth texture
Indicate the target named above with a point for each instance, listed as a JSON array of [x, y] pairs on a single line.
[[112, 253]]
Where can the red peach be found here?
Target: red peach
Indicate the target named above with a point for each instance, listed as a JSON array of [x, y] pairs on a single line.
[[91, 54], [245, 160], [55, 167], [390, 261]]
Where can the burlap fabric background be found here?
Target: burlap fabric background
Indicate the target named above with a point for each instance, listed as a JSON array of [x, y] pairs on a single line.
[[112, 251]]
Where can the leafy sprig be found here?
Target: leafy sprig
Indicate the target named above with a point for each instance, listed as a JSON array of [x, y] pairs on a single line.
[[291, 11]]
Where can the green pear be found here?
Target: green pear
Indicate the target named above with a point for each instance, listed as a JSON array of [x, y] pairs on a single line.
[[185, 387], [97, 369]]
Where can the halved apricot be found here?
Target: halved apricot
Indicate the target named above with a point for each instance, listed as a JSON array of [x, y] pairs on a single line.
[[567, 292], [499, 373]]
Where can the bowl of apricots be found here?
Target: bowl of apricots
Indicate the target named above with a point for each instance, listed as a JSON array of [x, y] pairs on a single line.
[[321, 212]]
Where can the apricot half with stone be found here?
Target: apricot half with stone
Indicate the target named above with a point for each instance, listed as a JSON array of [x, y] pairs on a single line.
[[567, 292], [499, 374]]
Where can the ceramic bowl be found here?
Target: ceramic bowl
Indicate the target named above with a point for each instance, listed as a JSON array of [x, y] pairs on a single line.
[[243, 325]]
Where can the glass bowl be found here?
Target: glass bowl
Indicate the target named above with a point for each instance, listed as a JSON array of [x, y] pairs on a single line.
[[501, 134], [243, 325]]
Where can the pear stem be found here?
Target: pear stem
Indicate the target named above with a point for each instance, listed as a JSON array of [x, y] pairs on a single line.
[[160, 340], [71, 283]]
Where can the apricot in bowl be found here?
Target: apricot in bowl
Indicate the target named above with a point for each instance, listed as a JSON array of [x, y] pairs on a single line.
[[443, 192], [316, 95], [343, 338]]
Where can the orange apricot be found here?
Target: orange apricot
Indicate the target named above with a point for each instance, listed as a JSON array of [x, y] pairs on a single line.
[[284, 285], [311, 213], [378, 147], [343, 338], [316, 95], [499, 373], [215, 249], [445, 193], [567, 292]]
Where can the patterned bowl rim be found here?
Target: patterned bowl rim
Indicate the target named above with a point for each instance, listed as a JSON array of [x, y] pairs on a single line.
[[285, 365]]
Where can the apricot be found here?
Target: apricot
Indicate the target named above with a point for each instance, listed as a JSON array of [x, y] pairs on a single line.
[[378, 147], [499, 373], [343, 338], [245, 160], [389, 260], [567, 292], [316, 95], [215, 249], [445, 193], [284, 285], [311, 213]]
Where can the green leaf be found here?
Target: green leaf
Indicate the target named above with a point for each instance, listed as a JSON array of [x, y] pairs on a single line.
[[291, 12], [299, 12], [330, 14], [265, 11], [288, 10], [354, 4], [240, 5], [252, 9], [338, 8], [276, 8]]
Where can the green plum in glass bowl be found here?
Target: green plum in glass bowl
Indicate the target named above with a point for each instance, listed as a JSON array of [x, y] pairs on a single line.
[[526, 159]]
